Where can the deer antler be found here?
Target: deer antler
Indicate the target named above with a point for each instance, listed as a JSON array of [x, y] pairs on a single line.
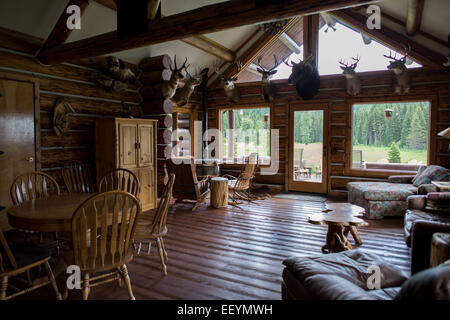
[[391, 57], [407, 51], [354, 65], [259, 63], [175, 62], [184, 65], [343, 63]]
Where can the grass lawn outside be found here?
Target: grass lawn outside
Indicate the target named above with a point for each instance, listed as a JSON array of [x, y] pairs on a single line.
[[378, 154]]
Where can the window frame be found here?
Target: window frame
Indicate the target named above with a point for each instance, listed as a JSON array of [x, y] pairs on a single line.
[[234, 107], [378, 173], [193, 117]]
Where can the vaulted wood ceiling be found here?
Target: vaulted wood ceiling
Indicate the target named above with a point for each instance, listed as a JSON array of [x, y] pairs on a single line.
[[425, 20]]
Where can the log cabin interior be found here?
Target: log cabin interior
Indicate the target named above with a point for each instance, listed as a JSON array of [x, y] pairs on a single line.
[[274, 150]]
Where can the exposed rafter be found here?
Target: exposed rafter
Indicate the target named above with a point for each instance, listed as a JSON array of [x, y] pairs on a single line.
[[207, 19], [414, 17], [265, 40], [290, 43], [60, 32], [392, 39], [200, 42]]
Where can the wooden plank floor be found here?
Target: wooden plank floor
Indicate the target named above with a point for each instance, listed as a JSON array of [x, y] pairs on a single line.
[[236, 253]]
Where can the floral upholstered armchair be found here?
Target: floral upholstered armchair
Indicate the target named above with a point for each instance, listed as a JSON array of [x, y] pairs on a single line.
[[387, 199]]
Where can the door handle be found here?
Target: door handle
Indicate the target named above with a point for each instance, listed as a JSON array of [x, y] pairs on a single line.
[[30, 159]]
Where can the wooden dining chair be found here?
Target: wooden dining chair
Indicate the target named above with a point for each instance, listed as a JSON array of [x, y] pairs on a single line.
[[109, 218], [77, 178], [120, 179], [156, 230], [31, 186], [240, 186], [21, 258]]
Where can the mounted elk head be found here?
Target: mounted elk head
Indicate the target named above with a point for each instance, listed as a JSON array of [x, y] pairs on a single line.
[[182, 95], [231, 91], [398, 66], [305, 77], [353, 83], [170, 86], [268, 90]]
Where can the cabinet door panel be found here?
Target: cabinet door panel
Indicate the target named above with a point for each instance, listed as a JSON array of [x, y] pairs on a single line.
[[147, 145], [127, 145], [147, 195]]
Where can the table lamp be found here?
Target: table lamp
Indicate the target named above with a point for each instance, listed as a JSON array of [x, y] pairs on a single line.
[[446, 134]]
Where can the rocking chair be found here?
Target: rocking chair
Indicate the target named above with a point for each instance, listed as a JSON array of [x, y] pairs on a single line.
[[240, 186]]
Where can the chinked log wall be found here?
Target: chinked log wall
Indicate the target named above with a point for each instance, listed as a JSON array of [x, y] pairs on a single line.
[[376, 86], [89, 102]]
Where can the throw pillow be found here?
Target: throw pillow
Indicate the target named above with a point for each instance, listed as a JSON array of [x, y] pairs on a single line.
[[419, 172], [432, 173]]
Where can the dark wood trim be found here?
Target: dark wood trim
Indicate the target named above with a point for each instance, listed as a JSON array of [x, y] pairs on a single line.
[[392, 39], [432, 132], [414, 17], [210, 46], [203, 20], [18, 41]]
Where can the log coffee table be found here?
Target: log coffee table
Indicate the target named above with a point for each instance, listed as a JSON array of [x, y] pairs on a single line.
[[342, 219]]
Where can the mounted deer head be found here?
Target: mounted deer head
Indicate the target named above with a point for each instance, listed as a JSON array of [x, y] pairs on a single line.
[[398, 66], [231, 91], [182, 95], [305, 77], [353, 83], [170, 86], [268, 90]]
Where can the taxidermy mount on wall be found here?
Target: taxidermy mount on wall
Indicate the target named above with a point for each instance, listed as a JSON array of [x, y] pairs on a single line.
[[352, 80], [114, 75], [305, 77], [183, 95], [61, 119], [231, 91], [267, 88], [398, 66], [170, 86]]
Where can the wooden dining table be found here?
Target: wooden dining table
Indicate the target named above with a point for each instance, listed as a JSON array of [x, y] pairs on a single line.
[[51, 214]]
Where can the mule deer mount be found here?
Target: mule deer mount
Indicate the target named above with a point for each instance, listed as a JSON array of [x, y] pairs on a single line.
[[267, 88], [169, 87], [231, 91], [398, 66], [353, 83], [114, 75], [182, 95], [305, 77]]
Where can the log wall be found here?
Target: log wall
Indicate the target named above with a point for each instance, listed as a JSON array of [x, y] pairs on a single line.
[[376, 86], [89, 102]]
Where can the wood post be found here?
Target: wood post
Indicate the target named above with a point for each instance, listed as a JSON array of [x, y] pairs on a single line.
[[231, 134]]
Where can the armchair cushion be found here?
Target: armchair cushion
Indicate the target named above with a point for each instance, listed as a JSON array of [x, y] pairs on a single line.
[[431, 173], [427, 188], [381, 191], [438, 201]]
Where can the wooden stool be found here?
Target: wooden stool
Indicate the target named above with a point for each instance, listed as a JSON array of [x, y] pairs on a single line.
[[219, 192], [440, 249]]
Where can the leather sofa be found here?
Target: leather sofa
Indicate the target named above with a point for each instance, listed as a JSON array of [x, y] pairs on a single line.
[[345, 275]]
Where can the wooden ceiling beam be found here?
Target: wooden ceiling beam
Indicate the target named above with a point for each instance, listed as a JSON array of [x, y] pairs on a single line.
[[210, 46], [207, 19], [60, 32], [414, 17], [392, 39], [290, 43], [200, 42]]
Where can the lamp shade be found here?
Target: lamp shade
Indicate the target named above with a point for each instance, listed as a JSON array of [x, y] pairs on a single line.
[[445, 133]]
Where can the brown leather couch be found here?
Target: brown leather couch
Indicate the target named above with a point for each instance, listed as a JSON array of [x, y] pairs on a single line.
[[344, 275]]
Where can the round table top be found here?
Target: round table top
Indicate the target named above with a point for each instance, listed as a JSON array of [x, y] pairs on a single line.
[[219, 179], [345, 214], [52, 214]]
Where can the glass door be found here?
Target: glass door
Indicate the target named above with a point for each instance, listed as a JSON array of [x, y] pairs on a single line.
[[308, 164]]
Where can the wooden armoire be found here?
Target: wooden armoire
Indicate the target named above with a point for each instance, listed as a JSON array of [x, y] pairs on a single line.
[[129, 144]]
